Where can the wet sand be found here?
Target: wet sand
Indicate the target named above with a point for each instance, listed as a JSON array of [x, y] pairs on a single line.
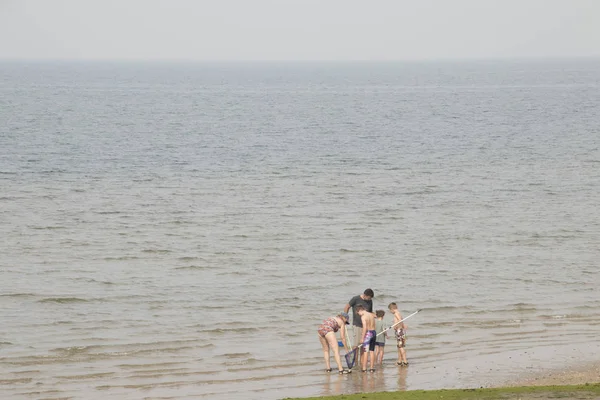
[[578, 375], [557, 383], [543, 365]]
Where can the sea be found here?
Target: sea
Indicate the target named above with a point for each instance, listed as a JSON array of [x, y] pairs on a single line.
[[178, 230]]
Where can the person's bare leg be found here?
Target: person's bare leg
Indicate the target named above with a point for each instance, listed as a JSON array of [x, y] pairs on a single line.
[[372, 359], [403, 354], [399, 354], [325, 351], [357, 336], [363, 360], [379, 351], [333, 343]]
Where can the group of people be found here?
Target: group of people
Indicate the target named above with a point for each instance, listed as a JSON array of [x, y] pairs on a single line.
[[369, 332]]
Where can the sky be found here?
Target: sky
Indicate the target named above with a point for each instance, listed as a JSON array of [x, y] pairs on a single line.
[[333, 30]]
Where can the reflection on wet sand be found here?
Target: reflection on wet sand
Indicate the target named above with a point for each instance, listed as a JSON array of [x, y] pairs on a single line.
[[373, 381], [382, 380], [332, 385], [402, 374]]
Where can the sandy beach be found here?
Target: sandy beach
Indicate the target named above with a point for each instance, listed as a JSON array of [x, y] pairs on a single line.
[[571, 383], [587, 373], [564, 364]]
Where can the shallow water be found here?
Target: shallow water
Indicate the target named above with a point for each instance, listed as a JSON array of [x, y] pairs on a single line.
[[179, 231]]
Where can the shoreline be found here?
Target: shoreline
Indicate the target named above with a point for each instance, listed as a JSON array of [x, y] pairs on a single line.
[[588, 373], [541, 366], [569, 383], [565, 392]]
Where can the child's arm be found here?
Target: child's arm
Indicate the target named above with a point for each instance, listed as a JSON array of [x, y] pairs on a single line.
[[364, 329], [397, 319], [402, 325]]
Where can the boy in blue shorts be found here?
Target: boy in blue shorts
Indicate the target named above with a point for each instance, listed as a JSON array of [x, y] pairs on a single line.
[[367, 342]]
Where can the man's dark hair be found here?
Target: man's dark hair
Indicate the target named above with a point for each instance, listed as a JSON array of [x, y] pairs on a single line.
[[369, 292]]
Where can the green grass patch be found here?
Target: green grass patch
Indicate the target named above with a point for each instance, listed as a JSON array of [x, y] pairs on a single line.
[[568, 392]]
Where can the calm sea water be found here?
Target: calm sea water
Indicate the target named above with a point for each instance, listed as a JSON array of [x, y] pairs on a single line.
[[176, 231]]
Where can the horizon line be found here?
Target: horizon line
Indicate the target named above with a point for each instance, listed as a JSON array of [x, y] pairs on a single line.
[[346, 61]]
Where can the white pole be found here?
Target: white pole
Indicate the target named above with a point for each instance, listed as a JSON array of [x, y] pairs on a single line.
[[402, 320]]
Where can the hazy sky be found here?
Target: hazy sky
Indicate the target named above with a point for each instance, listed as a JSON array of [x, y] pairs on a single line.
[[298, 29]]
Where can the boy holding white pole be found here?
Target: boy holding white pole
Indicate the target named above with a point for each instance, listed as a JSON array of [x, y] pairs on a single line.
[[400, 330]]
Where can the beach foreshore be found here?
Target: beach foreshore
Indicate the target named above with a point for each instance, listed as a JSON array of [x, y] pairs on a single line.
[[568, 392], [572, 375], [573, 383]]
